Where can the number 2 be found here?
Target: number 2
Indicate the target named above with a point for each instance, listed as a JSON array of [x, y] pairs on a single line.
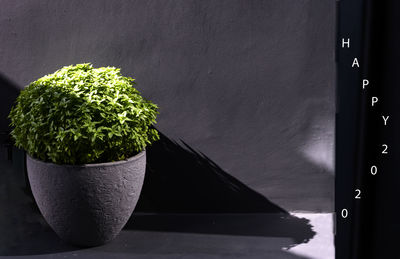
[[385, 147], [358, 195]]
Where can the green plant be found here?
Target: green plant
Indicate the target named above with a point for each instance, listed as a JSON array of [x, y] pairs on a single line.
[[80, 114]]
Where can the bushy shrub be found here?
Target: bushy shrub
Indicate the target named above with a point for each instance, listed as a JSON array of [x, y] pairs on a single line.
[[80, 114]]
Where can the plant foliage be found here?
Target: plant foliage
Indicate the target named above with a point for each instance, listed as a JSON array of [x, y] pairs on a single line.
[[80, 114]]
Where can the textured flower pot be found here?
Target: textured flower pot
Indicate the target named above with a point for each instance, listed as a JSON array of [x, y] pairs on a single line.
[[87, 205]]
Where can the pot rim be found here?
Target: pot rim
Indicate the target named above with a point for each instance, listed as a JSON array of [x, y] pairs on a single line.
[[114, 163]]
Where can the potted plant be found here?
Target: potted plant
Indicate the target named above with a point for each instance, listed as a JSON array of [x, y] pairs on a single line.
[[85, 131]]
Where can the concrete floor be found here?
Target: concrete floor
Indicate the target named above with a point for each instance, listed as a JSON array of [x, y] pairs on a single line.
[[38, 241], [24, 233]]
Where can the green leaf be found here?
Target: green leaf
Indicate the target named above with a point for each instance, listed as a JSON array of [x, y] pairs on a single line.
[[81, 114]]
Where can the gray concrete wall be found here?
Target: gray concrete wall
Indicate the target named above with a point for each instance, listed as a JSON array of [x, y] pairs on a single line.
[[248, 83]]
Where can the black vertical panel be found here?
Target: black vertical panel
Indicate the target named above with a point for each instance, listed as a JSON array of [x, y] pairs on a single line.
[[349, 25], [383, 228], [372, 228]]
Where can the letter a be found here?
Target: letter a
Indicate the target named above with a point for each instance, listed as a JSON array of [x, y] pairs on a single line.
[[355, 63]]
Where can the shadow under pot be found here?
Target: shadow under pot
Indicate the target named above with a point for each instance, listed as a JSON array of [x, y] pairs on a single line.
[[87, 205]]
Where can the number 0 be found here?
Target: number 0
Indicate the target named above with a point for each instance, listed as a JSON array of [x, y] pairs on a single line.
[[345, 213], [374, 170]]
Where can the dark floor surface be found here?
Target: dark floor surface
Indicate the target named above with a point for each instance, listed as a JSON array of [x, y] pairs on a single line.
[[24, 232]]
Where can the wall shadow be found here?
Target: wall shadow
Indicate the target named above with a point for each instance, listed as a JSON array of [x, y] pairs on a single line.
[[182, 180], [9, 92]]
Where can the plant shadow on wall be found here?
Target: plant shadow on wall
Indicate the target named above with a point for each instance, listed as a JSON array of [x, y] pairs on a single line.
[[9, 92], [180, 180]]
